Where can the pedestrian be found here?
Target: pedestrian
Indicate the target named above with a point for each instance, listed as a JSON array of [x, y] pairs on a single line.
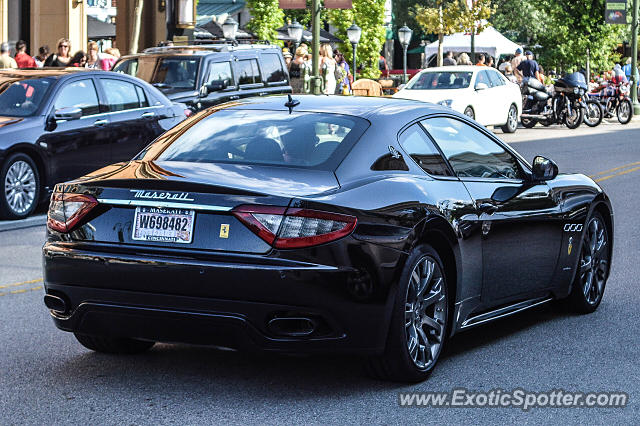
[[62, 58], [6, 61], [43, 54], [328, 68], [79, 59], [463, 59], [481, 60], [508, 72], [109, 58], [296, 77], [618, 75], [286, 54], [490, 62], [93, 56], [515, 62], [448, 60], [344, 83], [383, 66], [22, 58], [529, 67]]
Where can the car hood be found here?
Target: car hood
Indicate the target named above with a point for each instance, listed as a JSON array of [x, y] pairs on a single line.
[[273, 180], [429, 95]]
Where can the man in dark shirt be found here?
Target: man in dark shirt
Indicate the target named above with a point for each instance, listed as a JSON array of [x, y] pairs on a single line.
[[529, 67]]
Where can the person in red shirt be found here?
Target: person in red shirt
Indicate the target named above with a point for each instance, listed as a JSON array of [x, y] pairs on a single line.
[[22, 57]]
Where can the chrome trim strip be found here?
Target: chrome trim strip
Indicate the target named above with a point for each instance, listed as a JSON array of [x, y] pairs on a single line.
[[163, 204], [503, 312]]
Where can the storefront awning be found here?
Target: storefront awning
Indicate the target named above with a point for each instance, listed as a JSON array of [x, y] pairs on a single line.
[[219, 7]]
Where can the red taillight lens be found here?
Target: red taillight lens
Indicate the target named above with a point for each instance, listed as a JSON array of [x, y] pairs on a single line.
[[188, 112], [298, 228], [66, 210]]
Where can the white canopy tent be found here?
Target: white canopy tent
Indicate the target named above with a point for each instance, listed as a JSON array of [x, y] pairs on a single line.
[[489, 41]]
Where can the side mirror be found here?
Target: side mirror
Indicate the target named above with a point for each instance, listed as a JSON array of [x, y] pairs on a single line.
[[402, 86], [67, 113], [481, 86], [215, 86], [544, 169]]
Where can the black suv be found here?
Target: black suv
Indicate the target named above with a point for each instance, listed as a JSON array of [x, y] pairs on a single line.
[[205, 75]]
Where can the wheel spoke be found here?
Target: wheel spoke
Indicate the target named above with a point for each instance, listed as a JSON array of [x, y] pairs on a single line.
[[432, 323]]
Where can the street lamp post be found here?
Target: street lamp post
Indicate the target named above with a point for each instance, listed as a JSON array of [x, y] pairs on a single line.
[[295, 34], [353, 34], [229, 29], [404, 36], [634, 58]]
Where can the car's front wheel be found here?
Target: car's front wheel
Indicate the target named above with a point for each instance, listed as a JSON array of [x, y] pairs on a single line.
[[512, 120], [113, 345], [20, 189], [419, 322]]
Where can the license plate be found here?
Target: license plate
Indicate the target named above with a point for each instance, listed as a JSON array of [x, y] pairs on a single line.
[[163, 225]]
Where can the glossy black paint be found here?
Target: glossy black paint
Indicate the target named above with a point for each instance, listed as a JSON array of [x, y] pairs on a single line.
[[65, 150], [501, 241]]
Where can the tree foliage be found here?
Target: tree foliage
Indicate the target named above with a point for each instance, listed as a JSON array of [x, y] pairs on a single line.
[[369, 15], [266, 18], [519, 20]]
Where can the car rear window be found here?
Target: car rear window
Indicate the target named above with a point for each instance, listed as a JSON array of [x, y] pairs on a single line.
[[22, 98], [434, 80], [304, 139]]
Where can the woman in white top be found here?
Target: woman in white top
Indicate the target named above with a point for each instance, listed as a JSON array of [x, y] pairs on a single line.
[[328, 68]]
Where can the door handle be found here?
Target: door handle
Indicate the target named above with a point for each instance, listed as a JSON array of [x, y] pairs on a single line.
[[263, 93], [234, 97], [148, 115], [488, 208], [100, 123]]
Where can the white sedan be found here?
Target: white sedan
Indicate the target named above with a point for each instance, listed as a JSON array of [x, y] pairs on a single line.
[[481, 93]]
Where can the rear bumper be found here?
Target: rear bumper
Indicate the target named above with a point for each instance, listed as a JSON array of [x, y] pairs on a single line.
[[216, 302]]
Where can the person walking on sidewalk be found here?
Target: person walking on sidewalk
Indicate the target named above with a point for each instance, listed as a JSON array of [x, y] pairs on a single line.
[[6, 61], [22, 58], [62, 58]]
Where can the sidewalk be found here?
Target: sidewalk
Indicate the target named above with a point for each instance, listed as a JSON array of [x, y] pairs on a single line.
[[10, 225]]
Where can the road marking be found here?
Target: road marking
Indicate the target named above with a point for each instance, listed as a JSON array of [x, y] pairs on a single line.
[[618, 174], [22, 290], [616, 168], [21, 283]]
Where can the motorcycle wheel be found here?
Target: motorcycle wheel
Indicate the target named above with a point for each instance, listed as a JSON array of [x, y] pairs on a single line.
[[593, 114], [528, 122], [574, 120], [624, 111]]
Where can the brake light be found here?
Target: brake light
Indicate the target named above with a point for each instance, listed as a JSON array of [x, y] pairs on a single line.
[[188, 112], [298, 228], [66, 210]]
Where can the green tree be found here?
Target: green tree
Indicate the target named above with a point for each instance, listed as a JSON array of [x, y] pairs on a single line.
[[519, 20], [369, 15], [448, 17], [266, 18]]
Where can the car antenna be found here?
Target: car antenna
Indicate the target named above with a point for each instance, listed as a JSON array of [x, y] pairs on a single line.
[[291, 103]]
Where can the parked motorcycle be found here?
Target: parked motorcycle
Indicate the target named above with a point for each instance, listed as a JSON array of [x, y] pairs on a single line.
[[565, 103], [615, 100]]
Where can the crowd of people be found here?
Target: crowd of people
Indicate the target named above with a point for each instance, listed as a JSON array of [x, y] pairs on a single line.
[[92, 58], [334, 69]]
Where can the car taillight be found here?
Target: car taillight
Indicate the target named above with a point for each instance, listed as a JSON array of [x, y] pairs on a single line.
[[188, 112], [298, 228], [66, 210]]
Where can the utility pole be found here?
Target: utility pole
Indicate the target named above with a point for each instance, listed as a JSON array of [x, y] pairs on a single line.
[[316, 81], [137, 18], [634, 58]]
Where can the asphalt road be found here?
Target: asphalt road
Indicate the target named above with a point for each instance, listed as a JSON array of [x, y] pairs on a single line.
[[48, 378]]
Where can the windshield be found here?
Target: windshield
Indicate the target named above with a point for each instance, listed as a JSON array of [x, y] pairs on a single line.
[[312, 140], [22, 98], [434, 80], [176, 73]]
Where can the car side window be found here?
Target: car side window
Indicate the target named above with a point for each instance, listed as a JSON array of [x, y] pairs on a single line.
[[220, 71], [142, 97], [482, 77], [273, 70], [79, 94], [127, 67], [417, 144], [121, 95], [248, 72], [470, 152], [495, 79]]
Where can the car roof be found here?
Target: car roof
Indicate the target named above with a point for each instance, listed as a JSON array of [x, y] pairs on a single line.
[[201, 50], [42, 72], [454, 68], [359, 106]]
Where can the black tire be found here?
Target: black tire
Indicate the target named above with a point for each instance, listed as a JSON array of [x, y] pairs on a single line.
[[113, 345], [624, 112], [529, 123], [586, 295], [468, 111], [29, 189], [410, 309], [577, 121], [594, 113], [512, 120]]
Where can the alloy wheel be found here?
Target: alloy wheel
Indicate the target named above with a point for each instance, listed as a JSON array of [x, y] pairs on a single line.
[[624, 112], [594, 261], [512, 120], [20, 187], [425, 313]]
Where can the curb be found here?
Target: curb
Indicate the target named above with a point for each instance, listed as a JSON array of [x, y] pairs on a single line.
[[10, 225]]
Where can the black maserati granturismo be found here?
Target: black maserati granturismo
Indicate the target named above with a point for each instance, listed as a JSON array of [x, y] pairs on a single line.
[[368, 225]]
